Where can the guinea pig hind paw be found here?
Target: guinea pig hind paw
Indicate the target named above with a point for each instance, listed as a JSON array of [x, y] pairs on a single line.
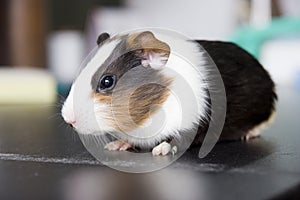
[[117, 145], [162, 149], [254, 133]]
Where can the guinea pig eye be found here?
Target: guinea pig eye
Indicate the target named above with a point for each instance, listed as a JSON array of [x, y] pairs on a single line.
[[107, 82], [102, 37]]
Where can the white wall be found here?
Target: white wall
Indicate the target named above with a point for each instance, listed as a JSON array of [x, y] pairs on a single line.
[[209, 19]]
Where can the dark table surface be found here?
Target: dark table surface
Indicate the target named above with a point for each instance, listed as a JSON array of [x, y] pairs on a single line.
[[42, 158]]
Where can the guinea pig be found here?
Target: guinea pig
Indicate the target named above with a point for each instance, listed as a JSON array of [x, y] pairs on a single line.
[[130, 80]]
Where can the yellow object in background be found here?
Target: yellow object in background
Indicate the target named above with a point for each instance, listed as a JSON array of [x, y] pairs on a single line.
[[26, 86]]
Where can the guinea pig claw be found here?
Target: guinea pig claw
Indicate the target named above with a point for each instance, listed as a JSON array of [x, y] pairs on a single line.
[[162, 149], [254, 133], [117, 145], [125, 146], [174, 150]]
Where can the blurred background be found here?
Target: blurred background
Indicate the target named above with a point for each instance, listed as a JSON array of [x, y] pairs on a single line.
[[42, 44], [52, 37]]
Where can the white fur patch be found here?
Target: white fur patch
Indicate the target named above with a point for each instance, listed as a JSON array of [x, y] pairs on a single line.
[[67, 111], [188, 63], [80, 101]]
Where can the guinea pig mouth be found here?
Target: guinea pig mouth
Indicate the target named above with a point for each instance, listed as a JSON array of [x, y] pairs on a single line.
[[71, 123]]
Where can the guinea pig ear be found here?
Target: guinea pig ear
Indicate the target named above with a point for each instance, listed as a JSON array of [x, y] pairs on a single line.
[[154, 53], [102, 37]]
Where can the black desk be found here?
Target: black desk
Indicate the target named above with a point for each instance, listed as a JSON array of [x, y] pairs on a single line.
[[41, 158]]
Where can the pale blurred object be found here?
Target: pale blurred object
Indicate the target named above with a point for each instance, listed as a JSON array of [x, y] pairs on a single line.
[[260, 14], [290, 8], [65, 53], [26, 86], [197, 19], [281, 57]]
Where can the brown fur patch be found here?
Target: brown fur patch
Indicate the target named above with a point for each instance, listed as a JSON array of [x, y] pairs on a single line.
[[145, 42], [143, 102], [106, 114], [102, 98]]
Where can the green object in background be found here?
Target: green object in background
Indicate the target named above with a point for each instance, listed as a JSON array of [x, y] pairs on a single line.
[[251, 38], [63, 89]]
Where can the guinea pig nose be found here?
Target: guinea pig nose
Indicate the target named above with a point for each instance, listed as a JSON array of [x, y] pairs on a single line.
[[71, 122]]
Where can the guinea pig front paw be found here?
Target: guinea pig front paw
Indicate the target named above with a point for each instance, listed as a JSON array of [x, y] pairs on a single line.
[[162, 149], [117, 145]]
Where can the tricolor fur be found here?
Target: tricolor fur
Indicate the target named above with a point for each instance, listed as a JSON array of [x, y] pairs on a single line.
[[158, 66], [165, 79]]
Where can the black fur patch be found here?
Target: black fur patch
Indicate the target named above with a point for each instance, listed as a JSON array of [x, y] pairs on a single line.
[[250, 90]]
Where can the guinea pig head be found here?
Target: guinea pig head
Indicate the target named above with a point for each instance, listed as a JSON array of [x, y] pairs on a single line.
[[126, 84]]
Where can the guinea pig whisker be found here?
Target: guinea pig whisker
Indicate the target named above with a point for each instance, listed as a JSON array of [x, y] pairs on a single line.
[[61, 124], [54, 116]]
